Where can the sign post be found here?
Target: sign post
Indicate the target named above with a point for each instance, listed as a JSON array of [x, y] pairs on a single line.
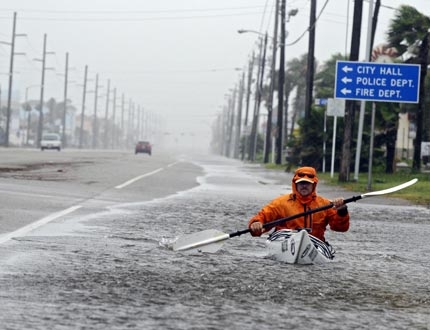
[[335, 108], [323, 102]]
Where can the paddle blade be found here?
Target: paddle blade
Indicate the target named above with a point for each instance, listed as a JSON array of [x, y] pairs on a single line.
[[209, 240], [390, 190]]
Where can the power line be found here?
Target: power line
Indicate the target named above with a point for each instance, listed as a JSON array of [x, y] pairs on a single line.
[[94, 20], [309, 28], [116, 12], [61, 15]]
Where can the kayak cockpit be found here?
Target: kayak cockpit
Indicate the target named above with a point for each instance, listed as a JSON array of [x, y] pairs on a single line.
[[298, 247]]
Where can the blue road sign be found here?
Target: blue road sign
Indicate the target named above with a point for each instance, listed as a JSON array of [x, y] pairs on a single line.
[[382, 82], [320, 101]]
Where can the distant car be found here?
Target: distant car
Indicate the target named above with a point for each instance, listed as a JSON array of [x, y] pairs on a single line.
[[143, 147], [50, 141]]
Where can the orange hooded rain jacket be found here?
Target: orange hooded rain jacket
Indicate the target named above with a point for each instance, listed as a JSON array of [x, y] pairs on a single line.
[[293, 203]]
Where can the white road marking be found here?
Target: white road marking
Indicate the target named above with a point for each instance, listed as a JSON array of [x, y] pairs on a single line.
[[32, 195], [173, 164], [137, 178], [32, 226]]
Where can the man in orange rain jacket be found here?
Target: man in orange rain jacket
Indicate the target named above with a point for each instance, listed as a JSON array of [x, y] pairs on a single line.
[[303, 198]]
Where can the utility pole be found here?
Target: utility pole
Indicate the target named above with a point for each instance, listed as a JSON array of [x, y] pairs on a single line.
[[106, 132], [248, 96], [272, 87], [310, 61], [122, 119], [42, 90], [260, 81], [139, 124], [66, 78], [254, 124], [95, 123], [129, 122], [281, 80], [9, 95], [28, 109], [84, 94], [258, 92], [239, 117], [113, 118], [230, 122], [145, 124], [363, 103], [345, 160]]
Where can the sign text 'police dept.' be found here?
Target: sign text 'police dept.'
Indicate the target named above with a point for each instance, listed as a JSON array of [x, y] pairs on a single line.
[[377, 81]]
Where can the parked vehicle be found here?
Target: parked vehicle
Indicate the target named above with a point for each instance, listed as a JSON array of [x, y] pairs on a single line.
[[50, 141], [143, 147]]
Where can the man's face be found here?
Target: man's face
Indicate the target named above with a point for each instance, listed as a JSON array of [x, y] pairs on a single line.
[[304, 188]]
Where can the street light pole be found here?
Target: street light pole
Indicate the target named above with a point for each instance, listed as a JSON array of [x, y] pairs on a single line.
[[281, 79]]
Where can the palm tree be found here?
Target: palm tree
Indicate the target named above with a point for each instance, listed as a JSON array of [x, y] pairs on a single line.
[[295, 79], [301, 144], [295, 74], [408, 33]]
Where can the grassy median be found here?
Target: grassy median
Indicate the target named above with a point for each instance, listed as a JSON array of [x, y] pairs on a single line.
[[418, 193]]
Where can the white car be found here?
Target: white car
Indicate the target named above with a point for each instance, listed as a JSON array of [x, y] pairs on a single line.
[[50, 141]]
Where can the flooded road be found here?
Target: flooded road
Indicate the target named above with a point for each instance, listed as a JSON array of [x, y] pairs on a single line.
[[112, 270]]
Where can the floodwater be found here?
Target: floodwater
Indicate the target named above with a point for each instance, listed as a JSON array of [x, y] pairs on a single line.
[[114, 271]]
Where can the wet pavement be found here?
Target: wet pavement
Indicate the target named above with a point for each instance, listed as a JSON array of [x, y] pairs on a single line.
[[112, 269]]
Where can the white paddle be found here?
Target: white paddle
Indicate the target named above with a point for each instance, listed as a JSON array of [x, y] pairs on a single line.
[[210, 240]]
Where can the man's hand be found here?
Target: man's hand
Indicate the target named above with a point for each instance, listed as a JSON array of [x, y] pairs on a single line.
[[338, 203], [256, 227]]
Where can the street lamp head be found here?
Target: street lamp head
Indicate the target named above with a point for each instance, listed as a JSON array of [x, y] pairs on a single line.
[[293, 12], [249, 31]]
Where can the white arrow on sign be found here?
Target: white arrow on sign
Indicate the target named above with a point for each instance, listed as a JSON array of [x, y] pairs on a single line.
[[346, 80], [346, 91], [346, 69]]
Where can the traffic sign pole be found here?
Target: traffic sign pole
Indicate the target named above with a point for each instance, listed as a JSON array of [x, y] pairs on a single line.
[[335, 108]]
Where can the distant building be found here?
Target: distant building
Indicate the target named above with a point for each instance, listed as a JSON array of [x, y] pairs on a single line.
[[406, 133]]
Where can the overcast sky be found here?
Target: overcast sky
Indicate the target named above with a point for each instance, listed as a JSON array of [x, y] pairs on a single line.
[[175, 58]]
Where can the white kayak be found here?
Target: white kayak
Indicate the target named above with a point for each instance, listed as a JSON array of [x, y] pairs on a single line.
[[298, 247]]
